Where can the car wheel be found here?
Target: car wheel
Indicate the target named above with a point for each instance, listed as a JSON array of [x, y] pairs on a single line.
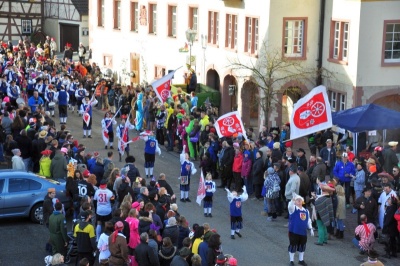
[[37, 213]]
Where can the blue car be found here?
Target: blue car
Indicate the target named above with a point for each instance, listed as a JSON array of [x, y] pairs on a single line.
[[22, 194]]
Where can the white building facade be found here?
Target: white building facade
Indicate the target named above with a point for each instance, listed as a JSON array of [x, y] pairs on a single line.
[[360, 46]]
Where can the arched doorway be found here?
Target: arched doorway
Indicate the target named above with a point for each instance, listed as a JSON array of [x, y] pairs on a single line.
[[229, 100], [213, 79], [391, 102], [250, 104], [290, 96]]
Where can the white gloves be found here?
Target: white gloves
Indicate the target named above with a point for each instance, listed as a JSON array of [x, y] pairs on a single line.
[[244, 188], [312, 232], [227, 190]]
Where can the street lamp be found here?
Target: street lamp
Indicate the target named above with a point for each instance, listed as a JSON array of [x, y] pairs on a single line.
[[190, 37], [204, 46]]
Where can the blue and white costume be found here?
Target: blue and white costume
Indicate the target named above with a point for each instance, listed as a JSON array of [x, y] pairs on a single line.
[[235, 209]]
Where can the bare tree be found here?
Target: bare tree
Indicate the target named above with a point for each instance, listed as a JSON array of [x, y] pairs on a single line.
[[270, 71]]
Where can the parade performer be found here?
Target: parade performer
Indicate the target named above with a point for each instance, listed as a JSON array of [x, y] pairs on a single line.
[[187, 170], [139, 112], [80, 94], [123, 135], [299, 222], [150, 149], [50, 99], [208, 199], [71, 91], [189, 129], [86, 111], [235, 202], [62, 97], [107, 127], [13, 92]]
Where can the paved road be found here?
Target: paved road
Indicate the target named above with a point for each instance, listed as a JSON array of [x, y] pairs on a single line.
[[263, 243]]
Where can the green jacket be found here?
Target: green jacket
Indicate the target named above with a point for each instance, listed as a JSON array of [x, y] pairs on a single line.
[[58, 232], [45, 163]]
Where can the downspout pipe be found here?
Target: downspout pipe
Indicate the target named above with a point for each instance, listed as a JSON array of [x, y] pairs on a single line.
[[320, 41]]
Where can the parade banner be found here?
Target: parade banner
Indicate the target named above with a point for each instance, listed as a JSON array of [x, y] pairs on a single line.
[[201, 191], [230, 124], [105, 130], [311, 113], [162, 86]]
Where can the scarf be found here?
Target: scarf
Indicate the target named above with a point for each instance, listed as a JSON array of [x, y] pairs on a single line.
[[367, 231]]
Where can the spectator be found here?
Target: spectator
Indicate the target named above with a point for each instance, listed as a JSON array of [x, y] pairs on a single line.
[[144, 254], [364, 235], [17, 162], [85, 237], [118, 246]]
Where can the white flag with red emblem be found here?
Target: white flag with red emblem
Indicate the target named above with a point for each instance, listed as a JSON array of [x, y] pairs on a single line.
[[162, 86], [201, 191], [229, 125], [311, 113]]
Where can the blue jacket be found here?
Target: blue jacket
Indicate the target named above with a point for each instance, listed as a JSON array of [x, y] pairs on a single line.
[[32, 102], [342, 169]]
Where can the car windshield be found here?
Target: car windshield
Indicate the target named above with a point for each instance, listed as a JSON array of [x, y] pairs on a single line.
[[49, 180]]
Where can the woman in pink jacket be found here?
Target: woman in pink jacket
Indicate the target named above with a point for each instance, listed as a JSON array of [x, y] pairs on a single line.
[[246, 172], [134, 238]]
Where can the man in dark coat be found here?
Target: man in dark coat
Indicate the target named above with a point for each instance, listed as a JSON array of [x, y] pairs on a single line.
[[227, 163], [366, 205], [328, 155], [390, 158], [301, 159], [144, 254], [319, 173], [58, 230], [25, 145]]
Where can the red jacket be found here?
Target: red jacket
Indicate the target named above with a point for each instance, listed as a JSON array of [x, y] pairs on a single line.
[[237, 163], [397, 218]]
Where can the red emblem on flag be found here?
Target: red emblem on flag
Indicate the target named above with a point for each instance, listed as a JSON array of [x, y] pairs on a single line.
[[303, 216], [311, 113], [230, 124]]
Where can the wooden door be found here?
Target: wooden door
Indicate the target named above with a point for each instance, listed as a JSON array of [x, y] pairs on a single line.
[[135, 68], [69, 33]]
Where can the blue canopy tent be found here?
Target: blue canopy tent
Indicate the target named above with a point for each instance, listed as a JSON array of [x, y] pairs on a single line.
[[366, 117]]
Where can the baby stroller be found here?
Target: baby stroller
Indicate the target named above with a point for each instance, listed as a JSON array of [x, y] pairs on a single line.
[[72, 248]]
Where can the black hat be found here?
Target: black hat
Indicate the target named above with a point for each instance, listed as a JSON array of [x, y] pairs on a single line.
[[293, 169], [85, 214], [301, 150], [277, 165], [300, 168], [291, 160], [162, 200]]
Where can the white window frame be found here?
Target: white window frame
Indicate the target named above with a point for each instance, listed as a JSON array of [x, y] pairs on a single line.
[[393, 32], [294, 33]]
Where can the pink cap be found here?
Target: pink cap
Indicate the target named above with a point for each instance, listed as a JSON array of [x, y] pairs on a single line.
[[232, 262], [64, 150]]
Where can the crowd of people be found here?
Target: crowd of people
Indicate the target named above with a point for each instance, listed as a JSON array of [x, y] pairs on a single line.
[[132, 219]]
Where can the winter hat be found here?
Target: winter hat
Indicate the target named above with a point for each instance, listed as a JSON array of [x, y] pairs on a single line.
[[232, 262], [174, 207], [136, 205], [16, 151], [276, 145], [86, 173], [171, 221], [64, 150], [236, 145], [270, 170], [246, 152]]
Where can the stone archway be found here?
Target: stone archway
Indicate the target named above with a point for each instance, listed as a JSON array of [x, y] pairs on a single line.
[[213, 80], [250, 104], [228, 102], [290, 96]]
